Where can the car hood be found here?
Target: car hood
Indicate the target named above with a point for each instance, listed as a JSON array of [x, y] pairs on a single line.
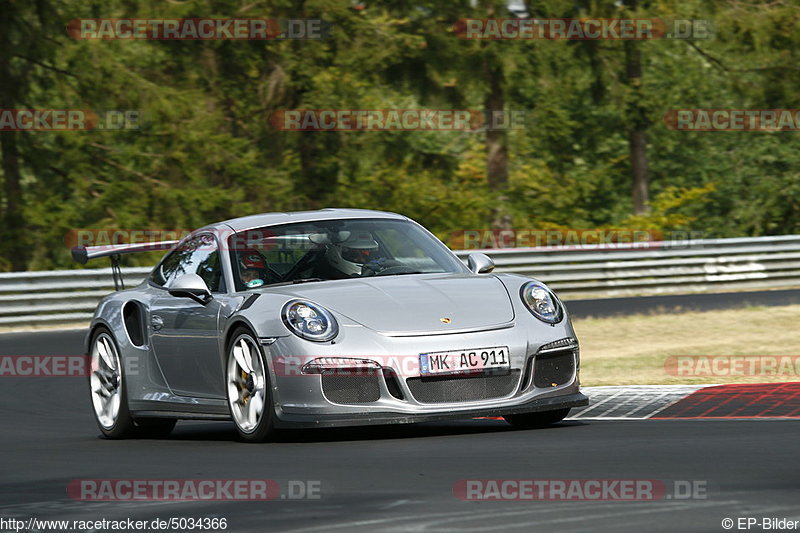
[[417, 303]]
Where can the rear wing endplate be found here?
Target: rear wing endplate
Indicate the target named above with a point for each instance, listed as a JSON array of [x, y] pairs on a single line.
[[83, 254]]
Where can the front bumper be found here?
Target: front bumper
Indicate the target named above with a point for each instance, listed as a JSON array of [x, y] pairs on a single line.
[[370, 417], [301, 401]]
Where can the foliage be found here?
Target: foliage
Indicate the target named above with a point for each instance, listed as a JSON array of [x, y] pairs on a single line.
[[206, 150]]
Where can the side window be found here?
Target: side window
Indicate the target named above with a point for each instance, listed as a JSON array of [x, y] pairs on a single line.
[[165, 270], [199, 255], [210, 270]]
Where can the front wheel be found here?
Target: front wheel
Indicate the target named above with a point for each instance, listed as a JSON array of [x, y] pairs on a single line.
[[249, 398], [537, 420], [107, 387]]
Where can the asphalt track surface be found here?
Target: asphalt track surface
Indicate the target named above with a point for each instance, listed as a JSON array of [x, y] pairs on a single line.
[[398, 478]]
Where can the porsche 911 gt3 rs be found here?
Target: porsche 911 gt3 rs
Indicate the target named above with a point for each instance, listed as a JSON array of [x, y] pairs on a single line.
[[335, 317]]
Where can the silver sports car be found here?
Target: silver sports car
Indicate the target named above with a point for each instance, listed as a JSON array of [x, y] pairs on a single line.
[[325, 318]]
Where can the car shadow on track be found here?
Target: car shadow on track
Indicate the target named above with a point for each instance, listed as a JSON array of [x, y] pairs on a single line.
[[188, 431]]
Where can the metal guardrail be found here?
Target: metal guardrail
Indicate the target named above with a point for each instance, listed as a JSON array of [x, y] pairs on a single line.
[[707, 265], [589, 270], [53, 296]]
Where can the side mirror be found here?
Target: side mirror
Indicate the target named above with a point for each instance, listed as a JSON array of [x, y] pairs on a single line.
[[191, 286], [480, 263]]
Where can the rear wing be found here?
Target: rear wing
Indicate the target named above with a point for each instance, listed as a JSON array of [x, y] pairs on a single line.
[[83, 254]]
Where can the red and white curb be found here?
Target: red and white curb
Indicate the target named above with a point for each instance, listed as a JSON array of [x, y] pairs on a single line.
[[631, 402], [640, 402]]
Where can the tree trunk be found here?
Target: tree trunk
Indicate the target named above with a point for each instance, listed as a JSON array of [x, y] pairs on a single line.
[[496, 143], [13, 220], [637, 120], [638, 154], [13, 236], [496, 139]]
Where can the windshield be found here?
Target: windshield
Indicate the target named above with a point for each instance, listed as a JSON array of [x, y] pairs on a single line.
[[336, 249]]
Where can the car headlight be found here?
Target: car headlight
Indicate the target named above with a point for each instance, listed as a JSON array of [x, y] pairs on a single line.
[[309, 321], [542, 302]]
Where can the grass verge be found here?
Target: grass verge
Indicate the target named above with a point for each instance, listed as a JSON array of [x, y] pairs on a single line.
[[633, 350]]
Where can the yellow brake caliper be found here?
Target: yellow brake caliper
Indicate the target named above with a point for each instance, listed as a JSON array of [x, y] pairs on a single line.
[[245, 392]]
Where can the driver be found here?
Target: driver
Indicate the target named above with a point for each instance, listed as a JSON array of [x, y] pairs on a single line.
[[252, 268], [252, 278], [349, 256]]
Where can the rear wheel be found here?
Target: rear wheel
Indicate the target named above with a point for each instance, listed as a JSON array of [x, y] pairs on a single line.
[[249, 398], [537, 420], [107, 387]]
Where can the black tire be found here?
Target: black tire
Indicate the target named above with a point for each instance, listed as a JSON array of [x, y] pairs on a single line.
[[123, 427], [265, 428], [155, 427], [537, 420]]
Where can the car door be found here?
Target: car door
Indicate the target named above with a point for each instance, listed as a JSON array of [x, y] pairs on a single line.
[[184, 333]]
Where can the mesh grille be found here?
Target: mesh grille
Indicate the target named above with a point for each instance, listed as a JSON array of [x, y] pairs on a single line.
[[552, 369], [393, 383], [463, 389], [361, 388]]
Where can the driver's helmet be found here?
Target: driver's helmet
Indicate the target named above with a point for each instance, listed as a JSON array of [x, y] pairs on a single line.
[[251, 262], [351, 254], [250, 258]]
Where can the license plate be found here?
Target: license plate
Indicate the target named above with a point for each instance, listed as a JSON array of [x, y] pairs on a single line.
[[455, 361]]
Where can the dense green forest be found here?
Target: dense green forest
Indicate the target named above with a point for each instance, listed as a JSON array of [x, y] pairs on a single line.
[[205, 149]]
